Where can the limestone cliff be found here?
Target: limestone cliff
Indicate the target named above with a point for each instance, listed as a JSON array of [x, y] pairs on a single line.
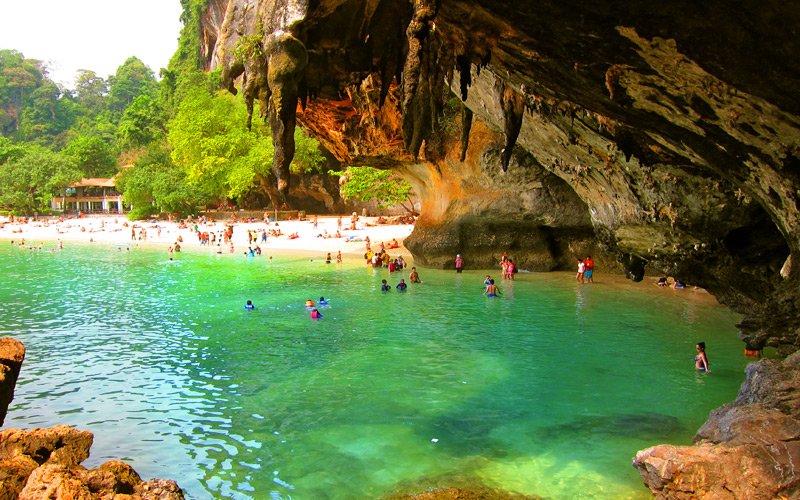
[[662, 134]]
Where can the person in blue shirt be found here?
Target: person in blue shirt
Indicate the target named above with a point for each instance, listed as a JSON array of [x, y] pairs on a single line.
[[322, 302], [402, 285], [384, 286], [249, 306]]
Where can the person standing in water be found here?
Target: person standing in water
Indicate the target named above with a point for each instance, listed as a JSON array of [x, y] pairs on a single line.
[[459, 263], [589, 269], [491, 289], [701, 360]]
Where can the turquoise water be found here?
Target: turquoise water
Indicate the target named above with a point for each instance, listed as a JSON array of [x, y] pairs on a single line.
[[549, 390]]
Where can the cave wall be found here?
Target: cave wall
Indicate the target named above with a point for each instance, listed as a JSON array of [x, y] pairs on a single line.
[[651, 134]]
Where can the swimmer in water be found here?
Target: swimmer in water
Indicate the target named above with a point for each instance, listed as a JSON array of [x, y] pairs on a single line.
[[249, 306], [701, 360], [322, 301], [315, 314], [413, 277], [402, 285], [491, 289], [384, 286]]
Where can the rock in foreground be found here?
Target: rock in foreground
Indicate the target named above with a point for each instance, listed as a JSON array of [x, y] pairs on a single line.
[[746, 449], [44, 464], [12, 352]]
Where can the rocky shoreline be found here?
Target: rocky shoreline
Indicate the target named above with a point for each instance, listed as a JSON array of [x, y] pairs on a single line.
[[45, 463], [747, 449]]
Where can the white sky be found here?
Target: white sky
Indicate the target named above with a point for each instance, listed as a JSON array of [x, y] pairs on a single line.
[[97, 35]]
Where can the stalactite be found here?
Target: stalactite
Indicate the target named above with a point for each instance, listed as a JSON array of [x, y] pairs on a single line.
[[286, 65], [417, 113], [513, 112], [466, 126]]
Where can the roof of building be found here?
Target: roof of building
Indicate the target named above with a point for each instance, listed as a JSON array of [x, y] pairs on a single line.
[[94, 182]]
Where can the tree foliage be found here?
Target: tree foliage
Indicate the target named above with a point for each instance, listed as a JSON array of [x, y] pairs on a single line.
[[211, 143], [133, 79], [383, 186], [154, 179], [93, 156], [31, 175]]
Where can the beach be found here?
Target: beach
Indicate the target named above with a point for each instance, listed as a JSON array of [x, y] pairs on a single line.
[[118, 231]]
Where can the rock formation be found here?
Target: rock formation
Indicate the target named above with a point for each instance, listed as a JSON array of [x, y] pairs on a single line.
[[44, 464], [12, 353], [747, 449], [662, 135]]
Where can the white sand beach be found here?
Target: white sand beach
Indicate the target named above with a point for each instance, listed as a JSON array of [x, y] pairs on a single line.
[[117, 231]]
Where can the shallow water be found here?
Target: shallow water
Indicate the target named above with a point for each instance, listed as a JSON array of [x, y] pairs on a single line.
[[549, 389]]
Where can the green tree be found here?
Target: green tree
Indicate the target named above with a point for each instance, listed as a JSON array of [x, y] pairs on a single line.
[[383, 186], [49, 113], [141, 124], [155, 180], [32, 176], [18, 78], [91, 91], [211, 142], [133, 79], [93, 157]]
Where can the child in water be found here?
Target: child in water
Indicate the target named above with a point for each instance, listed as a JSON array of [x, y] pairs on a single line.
[[385, 286], [315, 314]]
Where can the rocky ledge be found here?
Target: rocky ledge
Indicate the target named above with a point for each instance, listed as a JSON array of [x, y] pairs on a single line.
[[45, 464], [749, 448], [12, 353]]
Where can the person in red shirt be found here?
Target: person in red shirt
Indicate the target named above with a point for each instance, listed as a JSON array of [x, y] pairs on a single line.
[[589, 266]]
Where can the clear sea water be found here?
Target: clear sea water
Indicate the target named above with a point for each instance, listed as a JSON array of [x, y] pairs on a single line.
[[549, 389]]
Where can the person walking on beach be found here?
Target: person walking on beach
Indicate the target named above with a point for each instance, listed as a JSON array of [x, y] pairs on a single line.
[[459, 263]]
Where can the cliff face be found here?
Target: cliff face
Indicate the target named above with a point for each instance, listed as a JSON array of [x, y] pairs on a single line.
[[664, 135]]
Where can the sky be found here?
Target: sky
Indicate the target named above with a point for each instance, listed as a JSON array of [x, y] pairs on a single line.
[[97, 35]]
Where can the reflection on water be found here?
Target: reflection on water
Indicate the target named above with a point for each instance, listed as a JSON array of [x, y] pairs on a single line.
[[549, 389]]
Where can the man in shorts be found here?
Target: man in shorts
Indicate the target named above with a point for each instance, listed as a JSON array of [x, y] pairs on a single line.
[[589, 269]]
